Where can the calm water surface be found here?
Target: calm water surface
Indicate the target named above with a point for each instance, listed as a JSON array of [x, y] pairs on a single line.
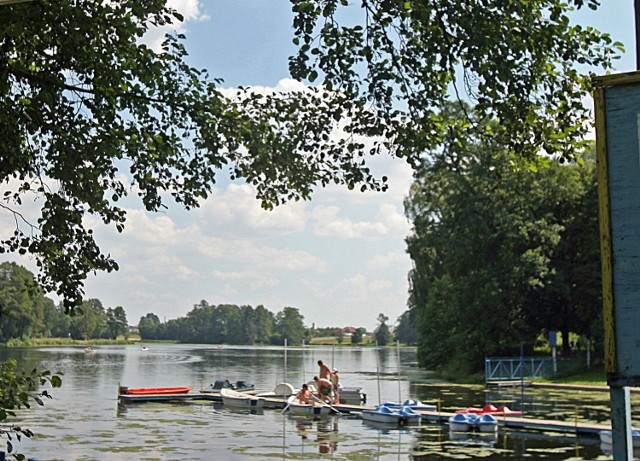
[[85, 422]]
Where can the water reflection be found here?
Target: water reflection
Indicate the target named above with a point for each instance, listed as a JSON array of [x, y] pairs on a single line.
[[321, 432], [468, 439], [85, 421]]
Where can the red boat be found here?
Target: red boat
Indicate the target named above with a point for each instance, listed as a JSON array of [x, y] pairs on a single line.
[[491, 410], [154, 390]]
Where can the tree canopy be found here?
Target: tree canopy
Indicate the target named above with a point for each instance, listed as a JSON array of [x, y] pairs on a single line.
[[500, 255], [521, 63], [90, 114]]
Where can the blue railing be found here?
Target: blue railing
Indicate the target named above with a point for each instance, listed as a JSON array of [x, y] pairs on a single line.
[[514, 368]]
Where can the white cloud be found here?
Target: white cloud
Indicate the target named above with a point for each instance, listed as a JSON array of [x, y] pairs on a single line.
[[191, 12], [251, 280], [388, 260], [235, 211], [190, 9], [330, 223]]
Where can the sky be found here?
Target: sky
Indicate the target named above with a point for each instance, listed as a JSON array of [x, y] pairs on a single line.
[[339, 258]]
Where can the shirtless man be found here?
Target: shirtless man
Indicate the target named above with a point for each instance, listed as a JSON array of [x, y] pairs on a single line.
[[305, 395], [324, 388], [325, 371]]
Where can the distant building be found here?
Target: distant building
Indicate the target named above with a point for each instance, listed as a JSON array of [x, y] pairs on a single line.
[[348, 331]]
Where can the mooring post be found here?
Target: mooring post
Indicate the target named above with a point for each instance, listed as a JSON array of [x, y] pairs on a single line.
[[621, 423]]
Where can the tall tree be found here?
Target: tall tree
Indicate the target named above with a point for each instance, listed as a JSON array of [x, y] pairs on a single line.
[[572, 298], [382, 333], [289, 326], [406, 331], [22, 303], [148, 326], [91, 321], [484, 241], [117, 322], [265, 324]]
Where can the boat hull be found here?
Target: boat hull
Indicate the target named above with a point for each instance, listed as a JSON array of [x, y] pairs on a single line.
[[469, 422], [413, 404], [155, 390], [239, 400], [352, 396], [491, 410], [297, 408], [606, 438], [386, 415]]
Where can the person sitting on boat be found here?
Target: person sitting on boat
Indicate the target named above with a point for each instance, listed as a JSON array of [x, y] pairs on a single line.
[[304, 395], [335, 382], [325, 371], [324, 388]]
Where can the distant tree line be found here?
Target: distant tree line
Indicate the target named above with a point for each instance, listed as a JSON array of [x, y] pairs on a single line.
[[229, 324], [232, 324], [27, 313]]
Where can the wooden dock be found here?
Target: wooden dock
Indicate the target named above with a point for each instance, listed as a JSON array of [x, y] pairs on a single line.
[[570, 427]]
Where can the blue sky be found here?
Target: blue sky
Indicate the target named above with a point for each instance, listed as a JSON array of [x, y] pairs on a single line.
[[339, 258]]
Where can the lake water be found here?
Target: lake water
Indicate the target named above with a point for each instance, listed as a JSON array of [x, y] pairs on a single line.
[[85, 422]]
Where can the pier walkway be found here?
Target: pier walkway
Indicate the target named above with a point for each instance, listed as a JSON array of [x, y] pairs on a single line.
[[275, 402]]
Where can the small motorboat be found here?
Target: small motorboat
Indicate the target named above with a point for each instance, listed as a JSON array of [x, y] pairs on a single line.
[[154, 390], [145, 348], [352, 395], [415, 405], [297, 408], [502, 410], [241, 386], [89, 350], [240, 399], [383, 414]]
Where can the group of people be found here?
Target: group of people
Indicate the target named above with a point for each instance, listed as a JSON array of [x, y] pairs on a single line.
[[327, 385]]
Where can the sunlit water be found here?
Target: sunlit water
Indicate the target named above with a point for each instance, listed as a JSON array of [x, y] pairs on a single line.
[[85, 422]]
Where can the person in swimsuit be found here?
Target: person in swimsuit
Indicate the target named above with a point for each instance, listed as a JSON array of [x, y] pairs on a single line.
[[324, 388], [305, 395], [335, 382], [325, 371]]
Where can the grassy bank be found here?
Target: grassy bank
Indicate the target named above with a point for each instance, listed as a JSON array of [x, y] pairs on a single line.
[[595, 376], [43, 342]]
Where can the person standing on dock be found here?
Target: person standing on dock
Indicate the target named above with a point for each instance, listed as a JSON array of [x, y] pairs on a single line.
[[325, 371], [335, 382]]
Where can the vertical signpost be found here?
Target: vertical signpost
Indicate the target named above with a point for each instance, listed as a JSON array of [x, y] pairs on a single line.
[[617, 103], [553, 342]]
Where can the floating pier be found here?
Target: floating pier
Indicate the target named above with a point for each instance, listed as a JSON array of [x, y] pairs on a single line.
[[572, 427]]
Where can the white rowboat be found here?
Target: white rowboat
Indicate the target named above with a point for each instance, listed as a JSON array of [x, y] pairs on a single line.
[[240, 399], [295, 407]]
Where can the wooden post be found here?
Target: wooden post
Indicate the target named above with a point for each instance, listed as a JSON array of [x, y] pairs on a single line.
[[621, 424], [637, 15]]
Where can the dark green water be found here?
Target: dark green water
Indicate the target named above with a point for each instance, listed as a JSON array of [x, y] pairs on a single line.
[[85, 422]]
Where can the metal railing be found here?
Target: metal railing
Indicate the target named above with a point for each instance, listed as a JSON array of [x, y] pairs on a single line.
[[514, 368]]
